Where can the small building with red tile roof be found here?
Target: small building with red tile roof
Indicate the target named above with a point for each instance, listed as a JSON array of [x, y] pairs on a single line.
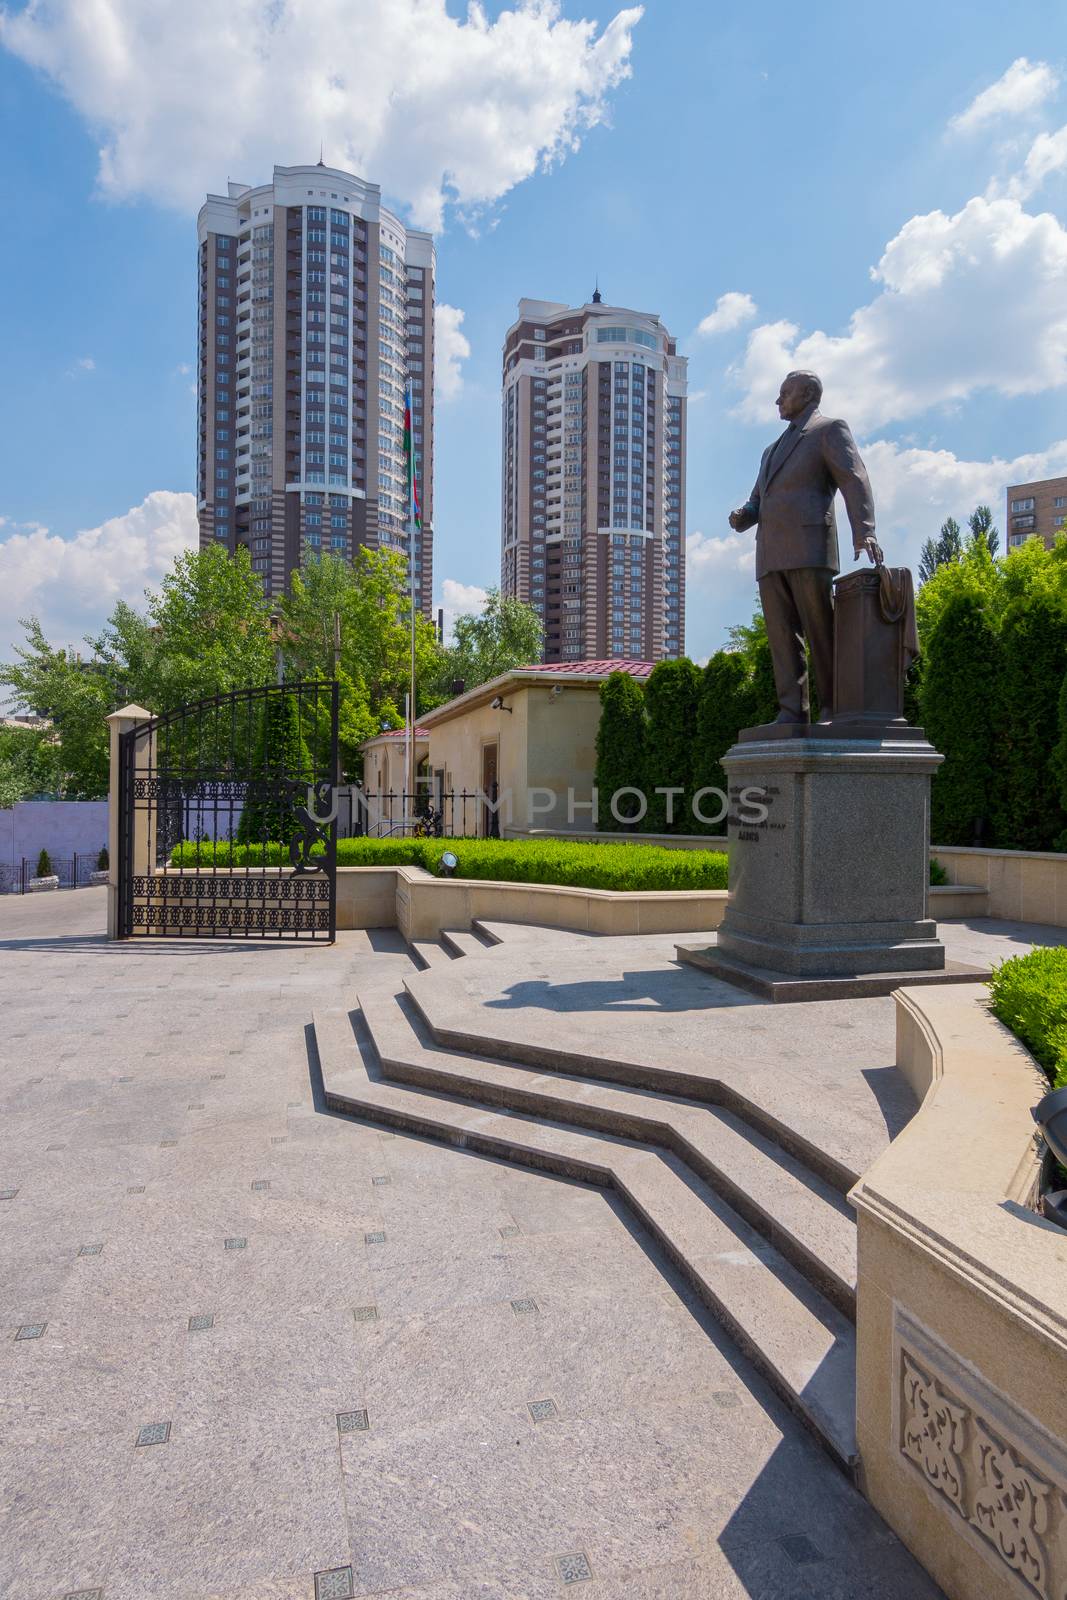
[[528, 735]]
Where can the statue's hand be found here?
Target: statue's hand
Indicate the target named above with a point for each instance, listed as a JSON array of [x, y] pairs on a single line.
[[737, 519], [871, 547]]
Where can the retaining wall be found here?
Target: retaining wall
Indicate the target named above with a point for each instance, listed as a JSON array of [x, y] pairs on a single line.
[[962, 1313], [1021, 885]]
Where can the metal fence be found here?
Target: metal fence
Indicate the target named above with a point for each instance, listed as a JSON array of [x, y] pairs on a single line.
[[72, 871], [428, 813]]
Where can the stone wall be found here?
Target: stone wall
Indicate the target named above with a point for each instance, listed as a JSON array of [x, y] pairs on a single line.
[[961, 1390], [421, 905], [62, 827], [1021, 885]]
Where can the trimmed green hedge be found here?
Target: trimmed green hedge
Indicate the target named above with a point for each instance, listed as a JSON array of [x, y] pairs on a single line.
[[561, 861], [1029, 995]]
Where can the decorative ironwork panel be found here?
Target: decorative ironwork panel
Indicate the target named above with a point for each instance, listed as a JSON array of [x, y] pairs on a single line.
[[228, 817]]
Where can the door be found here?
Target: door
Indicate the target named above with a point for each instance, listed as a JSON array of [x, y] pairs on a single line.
[[490, 791]]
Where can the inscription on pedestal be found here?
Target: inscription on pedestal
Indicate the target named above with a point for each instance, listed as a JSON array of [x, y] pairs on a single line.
[[751, 813]]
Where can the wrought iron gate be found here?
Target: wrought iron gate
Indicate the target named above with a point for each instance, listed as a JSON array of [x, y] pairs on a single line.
[[228, 818]]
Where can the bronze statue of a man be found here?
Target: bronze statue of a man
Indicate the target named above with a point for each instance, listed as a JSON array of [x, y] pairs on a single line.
[[796, 539]]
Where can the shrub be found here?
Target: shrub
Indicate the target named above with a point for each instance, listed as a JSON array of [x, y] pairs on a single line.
[[399, 852], [281, 752], [620, 745], [1033, 658], [44, 865], [1029, 995], [726, 702], [957, 715], [671, 699], [102, 861], [938, 875], [582, 864]]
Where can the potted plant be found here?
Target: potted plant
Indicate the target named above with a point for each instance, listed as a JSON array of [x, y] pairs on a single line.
[[101, 874], [46, 878]]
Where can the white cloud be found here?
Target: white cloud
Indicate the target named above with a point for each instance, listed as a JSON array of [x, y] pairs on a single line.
[[83, 364], [973, 301], [916, 489], [711, 558], [1047, 154], [451, 347], [458, 599], [432, 107], [731, 310], [73, 584], [1023, 88], [182, 368]]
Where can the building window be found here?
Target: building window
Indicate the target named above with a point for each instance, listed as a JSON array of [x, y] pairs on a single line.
[[1023, 505]]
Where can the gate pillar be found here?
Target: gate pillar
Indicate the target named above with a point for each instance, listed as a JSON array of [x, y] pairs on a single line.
[[120, 722]]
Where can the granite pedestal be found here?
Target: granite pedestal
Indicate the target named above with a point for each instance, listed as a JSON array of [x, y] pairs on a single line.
[[829, 867]]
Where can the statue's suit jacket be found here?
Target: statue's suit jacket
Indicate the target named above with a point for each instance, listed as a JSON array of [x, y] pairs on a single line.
[[793, 501]]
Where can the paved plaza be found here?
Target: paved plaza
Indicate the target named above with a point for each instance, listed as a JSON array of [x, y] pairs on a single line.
[[251, 1349]]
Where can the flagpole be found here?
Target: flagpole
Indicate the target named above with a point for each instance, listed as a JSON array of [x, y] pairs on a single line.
[[411, 691], [409, 441]]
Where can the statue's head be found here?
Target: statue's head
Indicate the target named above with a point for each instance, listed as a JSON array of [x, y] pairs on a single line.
[[799, 391]]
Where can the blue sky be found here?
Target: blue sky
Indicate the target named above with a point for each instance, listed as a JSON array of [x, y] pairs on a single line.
[[778, 153]]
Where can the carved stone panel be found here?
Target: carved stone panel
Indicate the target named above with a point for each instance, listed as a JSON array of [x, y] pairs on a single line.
[[1000, 1475]]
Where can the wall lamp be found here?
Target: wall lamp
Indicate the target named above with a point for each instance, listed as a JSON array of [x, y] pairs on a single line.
[[497, 704], [1051, 1117], [555, 691]]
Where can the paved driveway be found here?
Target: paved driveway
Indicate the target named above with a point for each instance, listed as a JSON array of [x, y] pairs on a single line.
[[244, 1342]]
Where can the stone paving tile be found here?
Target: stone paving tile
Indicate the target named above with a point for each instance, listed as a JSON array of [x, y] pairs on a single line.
[[62, 1503], [203, 1509], [452, 1492], [92, 1375], [473, 1498]]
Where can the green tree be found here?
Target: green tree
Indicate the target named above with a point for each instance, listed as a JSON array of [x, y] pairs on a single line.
[[927, 561], [750, 640], [946, 550], [982, 529], [352, 621], [1027, 811], [206, 631], [280, 753], [620, 745], [76, 696], [507, 633], [959, 721], [671, 703], [29, 765], [725, 702]]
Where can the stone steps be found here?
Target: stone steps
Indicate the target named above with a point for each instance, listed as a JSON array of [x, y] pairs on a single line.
[[440, 1008], [791, 1332], [460, 942], [429, 953], [796, 1211]]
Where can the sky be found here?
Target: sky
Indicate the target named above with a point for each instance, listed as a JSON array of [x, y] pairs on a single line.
[[878, 193]]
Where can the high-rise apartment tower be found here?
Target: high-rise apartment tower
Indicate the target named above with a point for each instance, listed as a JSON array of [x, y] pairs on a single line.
[[316, 308], [593, 535]]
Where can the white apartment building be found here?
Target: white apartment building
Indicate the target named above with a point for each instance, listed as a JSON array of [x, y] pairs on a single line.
[[316, 308], [593, 447]]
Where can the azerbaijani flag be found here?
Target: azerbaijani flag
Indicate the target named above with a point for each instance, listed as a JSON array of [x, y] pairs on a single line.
[[414, 507]]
